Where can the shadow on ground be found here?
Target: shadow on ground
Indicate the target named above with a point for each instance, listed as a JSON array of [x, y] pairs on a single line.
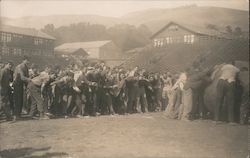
[[30, 153]]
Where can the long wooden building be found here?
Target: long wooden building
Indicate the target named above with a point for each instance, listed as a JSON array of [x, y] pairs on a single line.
[[174, 32], [25, 41]]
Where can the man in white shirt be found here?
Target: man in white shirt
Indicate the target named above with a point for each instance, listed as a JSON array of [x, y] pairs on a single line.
[[226, 90]]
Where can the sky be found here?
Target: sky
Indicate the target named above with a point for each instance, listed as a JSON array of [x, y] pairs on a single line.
[[113, 8]]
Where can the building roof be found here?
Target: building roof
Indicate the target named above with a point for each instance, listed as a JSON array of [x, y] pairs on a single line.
[[68, 51], [83, 45], [199, 30], [25, 31]]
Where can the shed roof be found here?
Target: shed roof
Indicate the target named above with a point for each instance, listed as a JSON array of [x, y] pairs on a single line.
[[25, 31], [69, 51], [200, 30], [83, 45]]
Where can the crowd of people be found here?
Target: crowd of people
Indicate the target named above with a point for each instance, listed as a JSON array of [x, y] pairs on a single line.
[[96, 89]]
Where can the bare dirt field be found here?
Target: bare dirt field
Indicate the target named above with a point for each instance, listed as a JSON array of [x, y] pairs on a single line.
[[149, 135]]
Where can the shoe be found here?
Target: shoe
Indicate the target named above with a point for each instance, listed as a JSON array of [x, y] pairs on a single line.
[[16, 118], [34, 117], [66, 117], [48, 114], [232, 123], [44, 118], [79, 116]]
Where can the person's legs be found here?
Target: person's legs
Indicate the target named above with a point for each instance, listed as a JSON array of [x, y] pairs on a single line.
[[201, 104], [36, 100], [219, 99], [18, 99], [144, 103], [5, 106], [130, 101], [230, 101], [108, 101], [195, 98], [94, 105], [80, 103]]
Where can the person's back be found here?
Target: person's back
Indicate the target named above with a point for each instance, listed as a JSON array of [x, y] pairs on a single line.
[[21, 73], [228, 72], [5, 79]]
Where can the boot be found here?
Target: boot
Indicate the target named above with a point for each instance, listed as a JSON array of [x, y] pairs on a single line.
[[43, 116]]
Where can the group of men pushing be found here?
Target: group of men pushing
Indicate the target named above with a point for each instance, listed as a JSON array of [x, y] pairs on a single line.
[[89, 91], [99, 90]]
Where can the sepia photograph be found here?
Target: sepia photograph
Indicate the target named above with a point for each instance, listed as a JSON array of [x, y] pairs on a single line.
[[124, 79]]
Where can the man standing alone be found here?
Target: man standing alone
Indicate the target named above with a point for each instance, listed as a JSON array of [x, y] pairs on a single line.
[[21, 78]]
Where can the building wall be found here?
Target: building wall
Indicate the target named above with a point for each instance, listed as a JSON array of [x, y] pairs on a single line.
[[111, 54], [17, 44], [110, 51], [174, 34], [93, 52]]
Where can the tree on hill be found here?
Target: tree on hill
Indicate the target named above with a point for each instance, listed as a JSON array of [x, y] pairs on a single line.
[[124, 35], [229, 29], [237, 32], [212, 26]]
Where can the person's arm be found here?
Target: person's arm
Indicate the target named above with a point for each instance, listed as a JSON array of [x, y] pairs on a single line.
[[57, 81], [23, 77], [1, 79], [42, 90]]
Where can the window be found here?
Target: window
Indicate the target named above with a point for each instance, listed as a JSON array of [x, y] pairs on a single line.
[[5, 51], [16, 36], [155, 42], [185, 38], [161, 42], [17, 51], [189, 39], [5, 37], [158, 43], [38, 41], [167, 40]]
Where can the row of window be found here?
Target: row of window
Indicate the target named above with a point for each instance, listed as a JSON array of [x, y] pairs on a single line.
[[19, 51], [169, 40], [7, 37], [38, 41]]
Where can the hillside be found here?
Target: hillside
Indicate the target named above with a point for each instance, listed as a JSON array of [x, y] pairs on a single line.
[[156, 18], [153, 18], [180, 57], [59, 20]]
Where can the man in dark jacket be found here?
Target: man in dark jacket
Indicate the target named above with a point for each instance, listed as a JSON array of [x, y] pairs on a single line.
[[198, 81], [21, 79], [6, 77]]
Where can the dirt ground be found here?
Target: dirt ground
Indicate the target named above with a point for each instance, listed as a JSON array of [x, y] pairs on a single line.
[[149, 135]]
